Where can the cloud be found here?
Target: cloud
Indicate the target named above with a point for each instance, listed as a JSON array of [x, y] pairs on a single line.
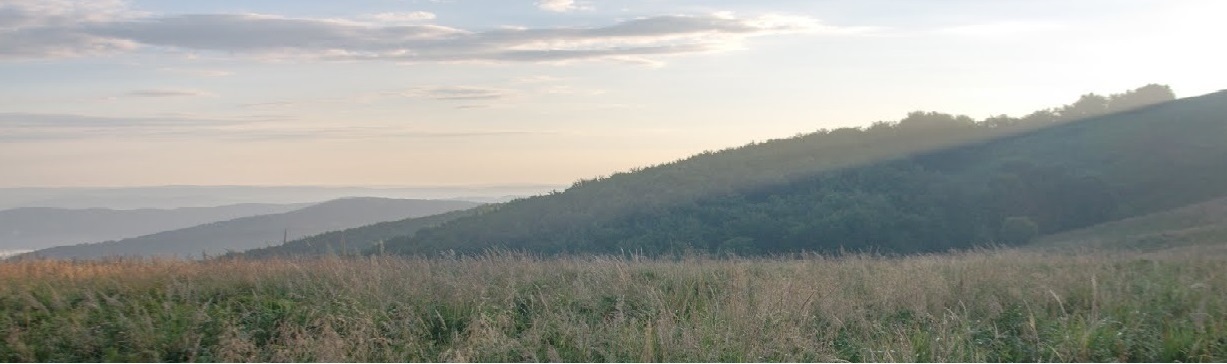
[[463, 97], [18, 127], [271, 104], [537, 79], [263, 33], [20, 120], [167, 93], [560, 6], [26, 126], [39, 13], [33, 29], [408, 17], [458, 93], [198, 72], [368, 133], [41, 43], [642, 40]]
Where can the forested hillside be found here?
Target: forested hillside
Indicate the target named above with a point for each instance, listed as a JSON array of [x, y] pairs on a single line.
[[929, 182], [259, 231]]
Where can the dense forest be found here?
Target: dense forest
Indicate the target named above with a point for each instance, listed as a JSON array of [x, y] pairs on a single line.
[[928, 182]]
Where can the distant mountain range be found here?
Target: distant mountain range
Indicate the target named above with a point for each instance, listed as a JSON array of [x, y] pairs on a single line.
[[32, 228], [166, 197], [258, 231]]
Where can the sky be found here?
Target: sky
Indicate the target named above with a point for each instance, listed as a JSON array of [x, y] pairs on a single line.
[[488, 92]]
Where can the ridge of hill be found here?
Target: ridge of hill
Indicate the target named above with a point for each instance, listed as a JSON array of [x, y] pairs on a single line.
[[32, 228], [930, 182], [257, 231]]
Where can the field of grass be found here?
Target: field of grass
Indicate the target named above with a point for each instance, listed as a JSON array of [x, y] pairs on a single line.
[[979, 306]]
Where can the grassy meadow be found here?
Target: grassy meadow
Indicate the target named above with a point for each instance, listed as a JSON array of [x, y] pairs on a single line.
[[976, 306]]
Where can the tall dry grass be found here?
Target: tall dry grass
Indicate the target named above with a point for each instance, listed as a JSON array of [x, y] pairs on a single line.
[[978, 306]]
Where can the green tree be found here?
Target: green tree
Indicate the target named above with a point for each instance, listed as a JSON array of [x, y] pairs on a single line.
[[1087, 106], [1143, 96]]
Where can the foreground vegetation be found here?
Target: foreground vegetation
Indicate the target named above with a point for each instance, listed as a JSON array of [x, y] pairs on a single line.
[[979, 306]]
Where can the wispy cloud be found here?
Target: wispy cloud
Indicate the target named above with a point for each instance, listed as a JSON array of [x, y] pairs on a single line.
[[198, 72], [33, 13], [167, 93], [19, 127], [458, 93], [31, 29], [464, 96], [405, 17], [12, 121], [433, 93], [272, 104], [537, 79], [26, 126], [560, 6], [641, 40]]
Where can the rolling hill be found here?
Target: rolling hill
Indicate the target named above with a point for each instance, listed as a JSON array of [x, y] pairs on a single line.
[[1199, 224], [167, 197], [258, 231], [354, 240], [930, 182], [33, 228]]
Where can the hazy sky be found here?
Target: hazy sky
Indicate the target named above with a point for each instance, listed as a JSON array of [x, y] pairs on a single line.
[[446, 92]]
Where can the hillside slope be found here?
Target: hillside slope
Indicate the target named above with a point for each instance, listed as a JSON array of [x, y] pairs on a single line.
[[929, 182], [33, 228], [1200, 224], [354, 240], [258, 231]]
